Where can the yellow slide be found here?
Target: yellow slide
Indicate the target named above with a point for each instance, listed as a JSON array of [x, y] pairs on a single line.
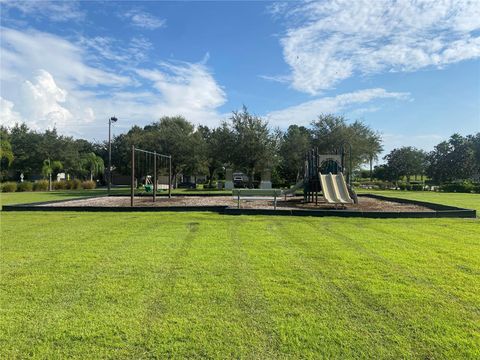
[[334, 189]]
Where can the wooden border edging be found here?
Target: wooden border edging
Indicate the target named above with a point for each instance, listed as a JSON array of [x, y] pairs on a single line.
[[438, 210]]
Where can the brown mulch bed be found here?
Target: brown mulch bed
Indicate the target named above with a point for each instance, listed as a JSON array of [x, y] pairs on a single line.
[[365, 203]]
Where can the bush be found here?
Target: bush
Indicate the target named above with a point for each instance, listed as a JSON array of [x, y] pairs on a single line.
[[402, 186], [40, 185], [417, 187], [476, 188], [89, 184], [9, 187], [59, 185], [461, 187], [74, 184], [25, 186]]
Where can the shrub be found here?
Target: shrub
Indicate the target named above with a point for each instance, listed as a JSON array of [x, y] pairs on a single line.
[[476, 188], [25, 186], [74, 184], [40, 185], [417, 187], [402, 186], [461, 187], [9, 187], [59, 185], [89, 184]]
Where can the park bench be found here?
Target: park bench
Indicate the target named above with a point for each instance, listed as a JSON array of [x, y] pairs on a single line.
[[257, 194]]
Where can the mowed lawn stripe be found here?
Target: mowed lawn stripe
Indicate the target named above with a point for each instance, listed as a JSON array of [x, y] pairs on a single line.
[[151, 285], [430, 285], [362, 324]]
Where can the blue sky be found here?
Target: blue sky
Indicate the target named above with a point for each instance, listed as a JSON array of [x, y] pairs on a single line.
[[409, 69]]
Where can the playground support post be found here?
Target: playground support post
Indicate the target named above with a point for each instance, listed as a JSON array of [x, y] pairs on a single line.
[[154, 176], [109, 179], [170, 176], [132, 184]]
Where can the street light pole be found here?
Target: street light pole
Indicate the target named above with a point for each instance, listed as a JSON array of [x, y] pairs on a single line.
[[109, 179]]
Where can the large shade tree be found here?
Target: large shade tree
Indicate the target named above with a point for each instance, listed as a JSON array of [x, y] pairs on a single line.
[[253, 144], [455, 159], [333, 134], [294, 144], [218, 147], [406, 161]]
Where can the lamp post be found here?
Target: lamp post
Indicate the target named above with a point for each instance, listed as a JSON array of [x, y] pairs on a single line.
[[109, 179]]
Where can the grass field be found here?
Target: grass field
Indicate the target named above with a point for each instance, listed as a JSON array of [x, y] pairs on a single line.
[[469, 201], [150, 285]]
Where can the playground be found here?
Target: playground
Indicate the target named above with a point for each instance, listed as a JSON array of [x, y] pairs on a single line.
[[86, 275], [323, 191], [200, 284]]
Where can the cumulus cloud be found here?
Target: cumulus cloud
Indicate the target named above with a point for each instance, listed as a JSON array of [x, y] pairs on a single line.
[[8, 115], [144, 20], [33, 50], [76, 86], [304, 113], [42, 102], [329, 41], [185, 83]]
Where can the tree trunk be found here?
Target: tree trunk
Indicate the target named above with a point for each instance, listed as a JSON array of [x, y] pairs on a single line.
[[371, 169], [211, 171], [91, 176], [251, 174], [50, 182]]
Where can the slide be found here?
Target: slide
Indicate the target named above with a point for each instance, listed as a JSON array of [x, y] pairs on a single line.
[[328, 189], [341, 186], [334, 189], [293, 190]]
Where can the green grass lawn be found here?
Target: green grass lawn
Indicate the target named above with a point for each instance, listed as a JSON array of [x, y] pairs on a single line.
[[469, 201], [153, 285]]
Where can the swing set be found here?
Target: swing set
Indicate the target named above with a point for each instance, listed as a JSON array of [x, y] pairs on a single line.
[[152, 171]]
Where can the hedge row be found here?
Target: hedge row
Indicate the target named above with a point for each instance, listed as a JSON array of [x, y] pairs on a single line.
[[42, 185], [461, 187]]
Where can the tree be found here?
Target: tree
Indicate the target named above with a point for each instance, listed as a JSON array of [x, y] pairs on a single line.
[[174, 136], [332, 133], [406, 161], [294, 145], [218, 147], [254, 146], [454, 159], [6, 153], [94, 164], [50, 167]]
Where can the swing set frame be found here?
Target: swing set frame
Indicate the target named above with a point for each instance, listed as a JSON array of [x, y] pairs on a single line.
[[155, 155]]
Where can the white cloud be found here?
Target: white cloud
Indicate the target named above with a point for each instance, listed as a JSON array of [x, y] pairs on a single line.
[[144, 20], [76, 86], [329, 41], [42, 102], [186, 84], [304, 113], [24, 53], [60, 11], [8, 115]]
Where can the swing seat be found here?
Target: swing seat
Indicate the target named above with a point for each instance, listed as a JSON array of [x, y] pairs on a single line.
[[148, 188]]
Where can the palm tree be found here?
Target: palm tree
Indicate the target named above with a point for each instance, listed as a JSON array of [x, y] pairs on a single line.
[[48, 168], [94, 164]]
